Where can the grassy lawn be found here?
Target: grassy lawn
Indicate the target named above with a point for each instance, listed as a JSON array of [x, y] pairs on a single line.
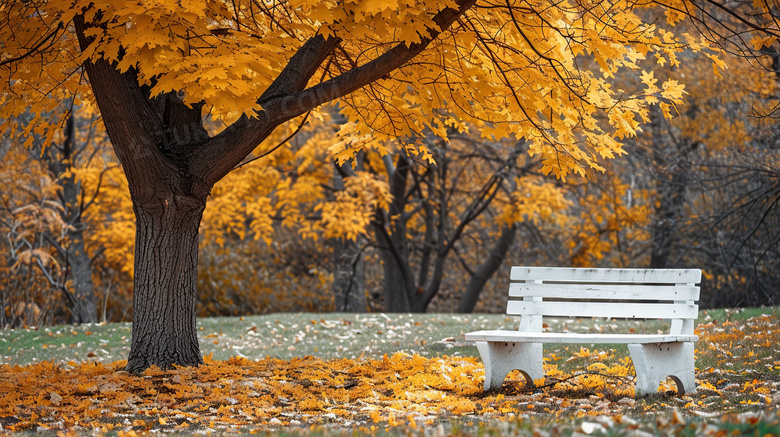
[[289, 335], [323, 374]]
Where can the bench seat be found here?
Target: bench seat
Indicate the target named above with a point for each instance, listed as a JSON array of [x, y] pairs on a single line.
[[578, 338]]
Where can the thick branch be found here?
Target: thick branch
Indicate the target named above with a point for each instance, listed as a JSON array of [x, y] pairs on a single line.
[[367, 73], [131, 122], [219, 155]]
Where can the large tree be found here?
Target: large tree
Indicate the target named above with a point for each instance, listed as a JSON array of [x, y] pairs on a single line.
[[158, 70]]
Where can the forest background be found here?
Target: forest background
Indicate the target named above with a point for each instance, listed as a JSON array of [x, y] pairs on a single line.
[[418, 223]]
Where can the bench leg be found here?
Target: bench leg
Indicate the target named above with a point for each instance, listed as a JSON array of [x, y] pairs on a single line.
[[500, 358], [656, 362]]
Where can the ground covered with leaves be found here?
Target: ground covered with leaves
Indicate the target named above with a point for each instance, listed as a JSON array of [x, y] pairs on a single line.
[[435, 389]]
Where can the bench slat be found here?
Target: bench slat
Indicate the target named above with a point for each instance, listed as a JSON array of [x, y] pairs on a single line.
[[558, 337], [553, 274], [617, 310], [603, 291]]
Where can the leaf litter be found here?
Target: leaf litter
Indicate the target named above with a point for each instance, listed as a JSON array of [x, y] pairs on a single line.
[[586, 390]]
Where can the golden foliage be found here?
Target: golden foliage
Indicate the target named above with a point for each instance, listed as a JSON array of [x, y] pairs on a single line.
[[350, 215], [536, 200], [612, 223]]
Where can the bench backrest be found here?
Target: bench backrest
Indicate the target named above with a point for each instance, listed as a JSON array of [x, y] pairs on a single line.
[[614, 293]]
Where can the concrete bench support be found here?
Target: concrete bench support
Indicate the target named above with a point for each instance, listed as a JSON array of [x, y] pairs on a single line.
[[501, 358], [655, 362]]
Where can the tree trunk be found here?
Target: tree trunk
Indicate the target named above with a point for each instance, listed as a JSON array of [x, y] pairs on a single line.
[[84, 308], [486, 270], [672, 163], [396, 288], [349, 284], [82, 299], [400, 290], [164, 297], [398, 281]]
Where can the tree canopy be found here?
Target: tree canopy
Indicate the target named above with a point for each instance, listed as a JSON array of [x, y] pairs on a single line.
[[506, 68]]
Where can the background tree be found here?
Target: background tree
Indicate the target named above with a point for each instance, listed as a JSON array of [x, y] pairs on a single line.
[[435, 205], [68, 264]]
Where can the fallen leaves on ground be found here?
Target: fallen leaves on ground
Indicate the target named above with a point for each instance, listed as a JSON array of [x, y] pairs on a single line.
[[737, 371]]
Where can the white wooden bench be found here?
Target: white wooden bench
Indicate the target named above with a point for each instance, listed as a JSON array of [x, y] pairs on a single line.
[[613, 293]]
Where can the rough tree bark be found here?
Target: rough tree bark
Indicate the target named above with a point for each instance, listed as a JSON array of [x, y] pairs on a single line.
[[398, 284], [171, 165], [166, 263], [349, 284]]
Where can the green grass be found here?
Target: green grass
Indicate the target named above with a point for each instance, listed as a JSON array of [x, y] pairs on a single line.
[[287, 335], [278, 336]]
